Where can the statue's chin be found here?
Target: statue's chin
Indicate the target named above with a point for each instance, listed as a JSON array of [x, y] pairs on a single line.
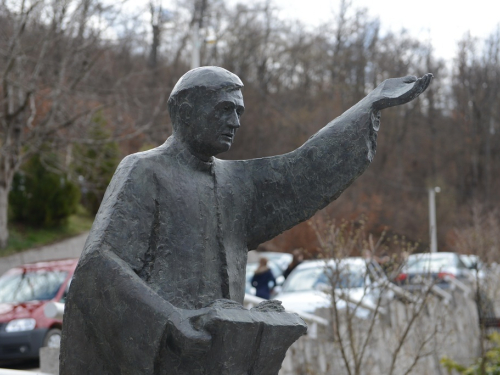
[[222, 147]]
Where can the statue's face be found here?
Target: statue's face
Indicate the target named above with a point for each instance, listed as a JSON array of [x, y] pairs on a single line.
[[216, 119]]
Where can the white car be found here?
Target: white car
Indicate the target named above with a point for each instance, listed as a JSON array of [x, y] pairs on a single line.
[[475, 265], [309, 286]]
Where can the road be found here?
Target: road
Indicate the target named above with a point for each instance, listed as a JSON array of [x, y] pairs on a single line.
[[28, 365], [70, 248]]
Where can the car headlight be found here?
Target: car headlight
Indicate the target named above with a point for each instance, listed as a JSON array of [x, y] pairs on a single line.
[[18, 325]]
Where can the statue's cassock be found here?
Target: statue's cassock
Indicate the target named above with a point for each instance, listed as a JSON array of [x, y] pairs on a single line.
[[174, 230]]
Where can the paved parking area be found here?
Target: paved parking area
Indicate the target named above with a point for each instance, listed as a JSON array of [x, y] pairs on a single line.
[[28, 365], [70, 248]]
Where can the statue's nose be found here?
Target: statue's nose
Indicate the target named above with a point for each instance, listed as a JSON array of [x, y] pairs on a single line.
[[234, 121]]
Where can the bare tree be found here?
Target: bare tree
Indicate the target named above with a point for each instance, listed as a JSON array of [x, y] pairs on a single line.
[[48, 52], [476, 90], [62, 62], [375, 326]]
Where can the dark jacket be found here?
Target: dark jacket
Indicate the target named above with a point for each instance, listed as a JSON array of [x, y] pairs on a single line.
[[261, 281], [290, 268]]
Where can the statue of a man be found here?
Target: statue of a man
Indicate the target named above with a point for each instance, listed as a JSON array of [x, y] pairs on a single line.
[[173, 231]]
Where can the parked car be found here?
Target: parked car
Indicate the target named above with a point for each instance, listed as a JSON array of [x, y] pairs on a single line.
[[24, 291], [472, 262], [309, 286], [426, 268], [475, 265]]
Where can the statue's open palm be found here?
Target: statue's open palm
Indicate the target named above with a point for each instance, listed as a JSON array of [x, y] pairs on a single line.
[[397, 91]]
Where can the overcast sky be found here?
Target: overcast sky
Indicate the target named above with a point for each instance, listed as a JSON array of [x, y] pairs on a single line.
[[443, 22]]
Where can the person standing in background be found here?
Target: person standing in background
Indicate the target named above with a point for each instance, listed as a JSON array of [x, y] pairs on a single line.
[[262, 278], [298, 258]]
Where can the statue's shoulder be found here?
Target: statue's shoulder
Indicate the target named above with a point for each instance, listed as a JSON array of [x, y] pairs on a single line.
[[142, 162]]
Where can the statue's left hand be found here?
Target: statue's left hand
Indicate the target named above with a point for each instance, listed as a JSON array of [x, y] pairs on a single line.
[[397, 91], [185, 334]]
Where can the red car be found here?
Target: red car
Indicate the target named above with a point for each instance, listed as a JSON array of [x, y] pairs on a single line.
[[24, 291]]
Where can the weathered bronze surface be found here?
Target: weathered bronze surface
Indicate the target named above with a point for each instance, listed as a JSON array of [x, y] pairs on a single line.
[[159, 286]]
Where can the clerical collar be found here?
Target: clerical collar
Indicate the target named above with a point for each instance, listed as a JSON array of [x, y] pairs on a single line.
[[184, 156]]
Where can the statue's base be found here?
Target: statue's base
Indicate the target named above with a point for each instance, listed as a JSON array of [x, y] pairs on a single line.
[[244, 342]]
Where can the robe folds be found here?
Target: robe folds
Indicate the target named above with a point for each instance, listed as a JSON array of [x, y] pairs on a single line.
[[172, 236]]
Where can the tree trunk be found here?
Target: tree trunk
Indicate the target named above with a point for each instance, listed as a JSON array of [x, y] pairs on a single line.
[[4, 231]]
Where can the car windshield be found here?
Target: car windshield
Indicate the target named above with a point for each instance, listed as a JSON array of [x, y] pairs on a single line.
[[316, 278], [40, 285], [436, 263], [471, 262]]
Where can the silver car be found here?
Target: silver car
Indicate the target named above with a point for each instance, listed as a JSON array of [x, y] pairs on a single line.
[[426, 268], [311, 286]]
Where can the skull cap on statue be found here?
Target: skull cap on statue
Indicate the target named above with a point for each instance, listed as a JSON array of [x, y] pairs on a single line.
[[211, 78]]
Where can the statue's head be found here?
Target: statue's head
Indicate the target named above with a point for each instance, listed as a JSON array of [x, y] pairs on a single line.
[[205, 108]]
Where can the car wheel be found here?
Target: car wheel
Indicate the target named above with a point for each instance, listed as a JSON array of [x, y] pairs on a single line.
[[52, 338]]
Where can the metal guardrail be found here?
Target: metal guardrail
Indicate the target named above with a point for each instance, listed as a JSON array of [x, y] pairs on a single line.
[[458, 284], [438, 292], [314, 320], [360, 303], [377, 273], [397, 290]]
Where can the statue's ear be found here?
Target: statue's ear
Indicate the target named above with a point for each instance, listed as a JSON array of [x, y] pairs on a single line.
[[185, 112]]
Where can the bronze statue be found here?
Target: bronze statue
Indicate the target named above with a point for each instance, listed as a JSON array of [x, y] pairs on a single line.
[[159, 286]]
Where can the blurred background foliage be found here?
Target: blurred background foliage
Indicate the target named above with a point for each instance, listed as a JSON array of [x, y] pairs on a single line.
[[41, 196], [95, 91], [488, 364], [95, 162]]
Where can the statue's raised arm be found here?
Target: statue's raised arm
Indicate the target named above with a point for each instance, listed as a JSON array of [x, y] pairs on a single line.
[[290, 188]]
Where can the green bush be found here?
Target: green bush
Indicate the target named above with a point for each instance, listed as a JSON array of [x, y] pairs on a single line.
[[42, 197], [95, 163], [489, 364]]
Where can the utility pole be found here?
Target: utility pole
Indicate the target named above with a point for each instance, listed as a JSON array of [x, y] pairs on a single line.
[[199, 10], [195, 56], [432, 217]]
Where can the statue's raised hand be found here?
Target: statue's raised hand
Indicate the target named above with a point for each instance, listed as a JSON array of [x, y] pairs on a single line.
[[396, 91]]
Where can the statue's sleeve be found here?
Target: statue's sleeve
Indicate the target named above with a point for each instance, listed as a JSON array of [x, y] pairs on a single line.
[[112, 316], [287, 189]]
